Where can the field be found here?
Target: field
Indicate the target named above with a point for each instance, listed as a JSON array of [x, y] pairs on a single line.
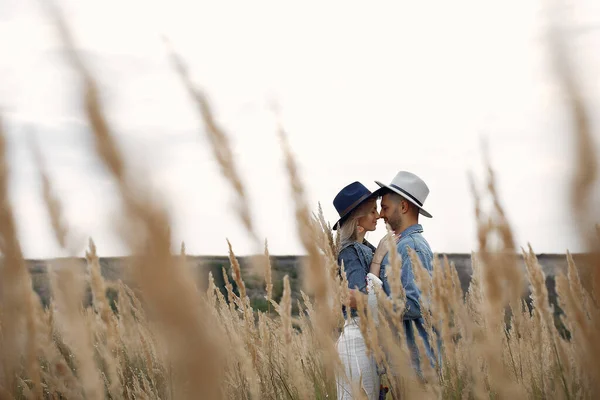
[[114, 269], [165, 331]]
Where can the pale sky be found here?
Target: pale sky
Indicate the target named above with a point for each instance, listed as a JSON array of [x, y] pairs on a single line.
[[365, 90]]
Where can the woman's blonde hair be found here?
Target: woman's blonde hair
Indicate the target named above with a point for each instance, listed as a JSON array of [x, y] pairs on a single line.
[[348, 232]]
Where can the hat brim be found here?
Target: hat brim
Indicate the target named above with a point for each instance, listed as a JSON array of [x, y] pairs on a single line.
[[343, 218], [382, 186]]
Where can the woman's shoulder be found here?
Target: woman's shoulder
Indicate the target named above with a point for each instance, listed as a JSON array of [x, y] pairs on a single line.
[[355, 250], [355, 246], [348, 250]]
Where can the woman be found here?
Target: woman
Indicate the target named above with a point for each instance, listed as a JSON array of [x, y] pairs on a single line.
[[357, 207]]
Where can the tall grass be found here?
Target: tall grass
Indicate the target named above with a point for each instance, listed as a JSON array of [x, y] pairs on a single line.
[[168, 340]]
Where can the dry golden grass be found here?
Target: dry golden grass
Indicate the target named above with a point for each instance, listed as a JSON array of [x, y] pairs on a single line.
[[167, 340]]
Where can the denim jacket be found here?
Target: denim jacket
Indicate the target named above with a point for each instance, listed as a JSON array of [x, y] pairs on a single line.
[[357, 259], [412, 238]]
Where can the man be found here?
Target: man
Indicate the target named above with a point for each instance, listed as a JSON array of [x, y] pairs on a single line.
[[401, 205]]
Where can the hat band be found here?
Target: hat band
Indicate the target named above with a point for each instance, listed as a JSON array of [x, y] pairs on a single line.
[[353, 205], [408, 194]]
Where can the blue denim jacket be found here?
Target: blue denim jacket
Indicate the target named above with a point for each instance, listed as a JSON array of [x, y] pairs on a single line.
[[357, 259], [412, 238]]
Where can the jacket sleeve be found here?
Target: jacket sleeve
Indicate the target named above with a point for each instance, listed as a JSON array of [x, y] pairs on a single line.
[[407, 277], [356, 272]]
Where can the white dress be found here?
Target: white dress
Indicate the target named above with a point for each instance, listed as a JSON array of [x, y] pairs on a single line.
[[352, 349]]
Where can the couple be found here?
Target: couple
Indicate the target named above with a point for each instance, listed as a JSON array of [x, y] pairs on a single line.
[[401, 204]]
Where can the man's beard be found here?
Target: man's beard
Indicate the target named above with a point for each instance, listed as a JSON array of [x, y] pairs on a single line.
[[395, 223]]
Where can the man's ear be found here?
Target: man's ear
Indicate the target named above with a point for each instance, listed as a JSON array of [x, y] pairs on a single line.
[[406, 206], [403, 206]]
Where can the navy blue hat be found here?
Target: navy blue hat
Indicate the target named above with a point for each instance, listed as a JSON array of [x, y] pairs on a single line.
[[348, 199]]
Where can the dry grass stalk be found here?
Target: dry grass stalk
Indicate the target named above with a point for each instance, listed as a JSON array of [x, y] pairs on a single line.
[[315, 276], [108, 327], [16, 304], [232, 298], [546, 323], [580, 321], [394, 273], [168, 291], [109, 323], [268, 273], [219, 142], [53, 205], [585, 174], [326, 239], [315, 267], [584, 181], [237, 273], [68, 289], [221, 149], [502, 284], [285, 308]]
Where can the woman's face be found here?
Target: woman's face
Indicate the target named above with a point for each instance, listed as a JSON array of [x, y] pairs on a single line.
[[369, 221]]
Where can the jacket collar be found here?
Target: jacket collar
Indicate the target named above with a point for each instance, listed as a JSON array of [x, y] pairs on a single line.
[[416, 228]]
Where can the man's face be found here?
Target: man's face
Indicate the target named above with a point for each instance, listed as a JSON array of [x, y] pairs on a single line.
[[391, 211]]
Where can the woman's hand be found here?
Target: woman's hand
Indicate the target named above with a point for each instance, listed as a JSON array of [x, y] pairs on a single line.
[[382, 249], [380, 252]]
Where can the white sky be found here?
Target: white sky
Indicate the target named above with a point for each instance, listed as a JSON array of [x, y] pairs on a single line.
[[364, 91]]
